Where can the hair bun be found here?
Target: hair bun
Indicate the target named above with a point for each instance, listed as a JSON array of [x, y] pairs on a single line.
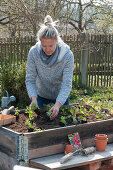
[[48, 21]]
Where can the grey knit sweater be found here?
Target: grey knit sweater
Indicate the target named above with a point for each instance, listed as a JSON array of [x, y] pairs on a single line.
[[53, 82]]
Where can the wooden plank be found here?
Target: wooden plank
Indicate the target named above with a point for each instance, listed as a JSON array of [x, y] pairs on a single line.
[[53, 162], [45, 151], [55, 149], [8, 142], [17, 167], [59, 135], [49, 139]]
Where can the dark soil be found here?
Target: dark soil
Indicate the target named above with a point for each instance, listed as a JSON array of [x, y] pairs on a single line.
[[42, 122]]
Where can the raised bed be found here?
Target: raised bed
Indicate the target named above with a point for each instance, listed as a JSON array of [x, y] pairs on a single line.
[[17, 148]]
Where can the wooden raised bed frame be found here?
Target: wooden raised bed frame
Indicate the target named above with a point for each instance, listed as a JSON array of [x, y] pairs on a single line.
[[17, 148]]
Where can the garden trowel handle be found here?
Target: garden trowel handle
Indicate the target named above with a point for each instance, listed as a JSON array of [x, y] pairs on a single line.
[[11, 108], [68, 156]]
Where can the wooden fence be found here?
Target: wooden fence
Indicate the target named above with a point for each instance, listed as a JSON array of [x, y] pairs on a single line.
[[93, 56]]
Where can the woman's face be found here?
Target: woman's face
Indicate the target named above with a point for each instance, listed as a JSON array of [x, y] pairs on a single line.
[[48, 45]]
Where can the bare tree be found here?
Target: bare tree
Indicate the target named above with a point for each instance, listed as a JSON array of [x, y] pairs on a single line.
[[82, 15], [26, 15]]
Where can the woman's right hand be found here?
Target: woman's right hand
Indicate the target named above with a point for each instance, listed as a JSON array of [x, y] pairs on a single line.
[[33, 101]]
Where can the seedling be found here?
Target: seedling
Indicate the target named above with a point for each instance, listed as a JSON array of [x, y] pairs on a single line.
[[33, 106], [73, 111], [30, 125], [65, 109], [49, 113], [30, 112], [81, 118], [48, 106], [103, 116], [16, 112], [38, 130], [63, 120]]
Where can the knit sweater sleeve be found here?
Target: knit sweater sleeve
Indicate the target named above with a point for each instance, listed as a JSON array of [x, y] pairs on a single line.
[[31, 74], [67, 80]]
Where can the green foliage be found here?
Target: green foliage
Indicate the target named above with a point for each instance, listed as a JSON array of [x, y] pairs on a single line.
[[48, 106], [39, 130], [63, 119], [65, 109], [81, 118], [73, 95], [73, 111], [30, 112], [16, 111], [33, 106], [49, 113], [13, 80], [30, 125]]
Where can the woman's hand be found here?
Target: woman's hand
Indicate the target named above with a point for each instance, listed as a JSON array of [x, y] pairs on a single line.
[[55, 110], [33, 101]]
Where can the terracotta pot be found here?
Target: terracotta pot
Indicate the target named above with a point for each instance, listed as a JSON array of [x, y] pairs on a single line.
[[68, 149], [101, 136], [101, 144]]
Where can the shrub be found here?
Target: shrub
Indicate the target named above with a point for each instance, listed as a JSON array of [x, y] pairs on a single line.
[[13, 80]]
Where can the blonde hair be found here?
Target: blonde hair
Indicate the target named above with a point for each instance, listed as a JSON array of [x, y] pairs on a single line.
[[48, 29]]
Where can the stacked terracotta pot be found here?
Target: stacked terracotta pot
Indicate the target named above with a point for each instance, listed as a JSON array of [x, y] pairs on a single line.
[[101, 142]]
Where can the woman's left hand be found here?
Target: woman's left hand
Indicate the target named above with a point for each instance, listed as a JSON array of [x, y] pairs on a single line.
[[55, 110]]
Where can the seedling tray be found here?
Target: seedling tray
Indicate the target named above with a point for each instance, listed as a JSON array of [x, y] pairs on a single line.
[[7, 119]]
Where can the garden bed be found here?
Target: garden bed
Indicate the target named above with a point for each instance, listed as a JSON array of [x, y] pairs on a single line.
[[41, 120], [18, 146]]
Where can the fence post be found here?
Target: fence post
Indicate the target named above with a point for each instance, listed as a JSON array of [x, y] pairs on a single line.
[[84, 60]]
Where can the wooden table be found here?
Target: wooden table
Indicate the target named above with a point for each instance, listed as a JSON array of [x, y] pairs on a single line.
[[53, 162]]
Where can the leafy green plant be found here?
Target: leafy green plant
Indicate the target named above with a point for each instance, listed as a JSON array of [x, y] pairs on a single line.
[[73, 111], [33, 106], [65, 109], [97, 116], [49, 113], [29, 124], [16, 111], [81, 118], [63, 120], [30, 112], [38, 130], [103, 116]]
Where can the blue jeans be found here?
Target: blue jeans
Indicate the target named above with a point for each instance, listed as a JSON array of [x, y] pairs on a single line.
[[42, 101]]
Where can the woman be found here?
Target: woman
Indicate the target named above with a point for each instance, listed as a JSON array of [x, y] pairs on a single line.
[[49, 69]]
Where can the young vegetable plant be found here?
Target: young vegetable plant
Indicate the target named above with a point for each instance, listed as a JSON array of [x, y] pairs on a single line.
[[65, 110], [81, 118], [73, 111], [29, 124], [33, 106], [30, 112], [16, 111], [39, 130], [63, 120], [49, 113]]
